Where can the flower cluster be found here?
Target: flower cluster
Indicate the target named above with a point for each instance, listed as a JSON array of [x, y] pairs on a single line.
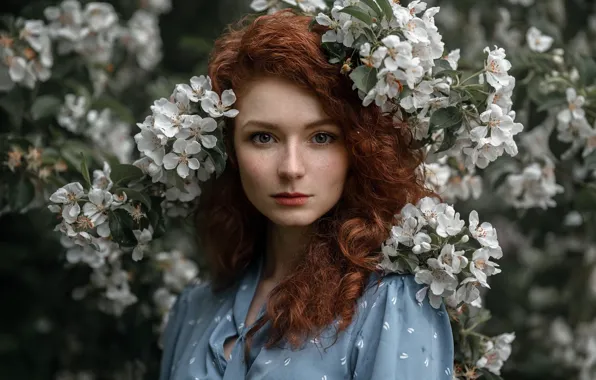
[[180, 147], [102, 127], [92, 31], [27, 56], [431, 242], [576, 349], [271, 6]]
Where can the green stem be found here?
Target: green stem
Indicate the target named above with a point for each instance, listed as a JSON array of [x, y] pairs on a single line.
[[471, 76]]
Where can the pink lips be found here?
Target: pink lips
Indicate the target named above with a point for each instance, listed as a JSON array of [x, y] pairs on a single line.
[[291, 199]]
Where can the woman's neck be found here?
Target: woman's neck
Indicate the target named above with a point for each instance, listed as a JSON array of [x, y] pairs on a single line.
[[283, 246]]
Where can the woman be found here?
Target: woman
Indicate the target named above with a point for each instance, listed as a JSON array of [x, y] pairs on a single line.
[[294, 226]]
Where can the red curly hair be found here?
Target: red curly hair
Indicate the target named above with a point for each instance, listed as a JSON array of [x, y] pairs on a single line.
[[345, 247]]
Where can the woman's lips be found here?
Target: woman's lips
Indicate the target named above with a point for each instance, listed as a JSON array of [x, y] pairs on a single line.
[[291, 201]]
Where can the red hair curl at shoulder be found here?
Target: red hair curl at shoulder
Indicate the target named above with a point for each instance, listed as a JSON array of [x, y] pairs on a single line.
[[383, 177]]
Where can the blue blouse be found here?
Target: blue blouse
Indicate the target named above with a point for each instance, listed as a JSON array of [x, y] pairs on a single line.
[[392, 336]]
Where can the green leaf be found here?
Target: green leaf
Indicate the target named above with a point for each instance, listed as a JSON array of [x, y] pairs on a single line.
[[125, 173], [374, 6], [487, 375], [14, 105], [441, 65], [71, 152], [448, 141], [77, 87], [121, 226], [445, 118], [412, 262], [63, 67], [85, 169], [364, 77], [448, 73], [335, 51], [156, 219], [387, 9], [195, 44], [551, 101], [45, 106], [135, 195], [585, 199], [358, 13], [20, 193], [587, 70]]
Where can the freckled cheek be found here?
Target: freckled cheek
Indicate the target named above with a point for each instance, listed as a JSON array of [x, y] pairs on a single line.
[[332, 168], [254, 169]]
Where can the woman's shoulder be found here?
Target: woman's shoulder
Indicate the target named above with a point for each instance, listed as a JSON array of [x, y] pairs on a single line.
[[390, 296], [382, 285], [197, 293]]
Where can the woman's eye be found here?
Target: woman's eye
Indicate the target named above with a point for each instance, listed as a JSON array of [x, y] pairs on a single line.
[[261, 138], [323, 138]]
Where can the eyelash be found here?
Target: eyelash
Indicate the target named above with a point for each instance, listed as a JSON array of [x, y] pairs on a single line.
[[331, 137]]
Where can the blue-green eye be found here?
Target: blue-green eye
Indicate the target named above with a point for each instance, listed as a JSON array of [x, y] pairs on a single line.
[[258, 138], [323, 138]]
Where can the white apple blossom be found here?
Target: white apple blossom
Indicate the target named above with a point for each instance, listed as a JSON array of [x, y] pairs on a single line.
[[97, 207], [405, 232], [399, 53], [149, 167], [483, 153], [499, 124], [100, 16], [159, 6], [497, 67], [453, 58], [497, 351], [66, 23], [73, 112], [168, 117], [143, 237], [574, 110], [376, 58], [481, 266], [430, 209], [144, 38], [419, 96], [308, 6], [199, 86], [525, 3], [535, 186], [216, 108], [87, 254], [69, 195], [440, 282], [18, 69], [468, 291], [151, 143], [191, 190], [502, 96], [197, 130], [437, 174], [537, 41], [182, 160], [484, 233], [178, 269], [449, 259], [449, 223]]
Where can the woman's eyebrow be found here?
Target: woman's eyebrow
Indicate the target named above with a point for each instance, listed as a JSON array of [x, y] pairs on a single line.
[[270, 125]]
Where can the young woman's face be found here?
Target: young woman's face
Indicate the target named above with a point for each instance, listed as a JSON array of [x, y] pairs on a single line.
[[285, 143]]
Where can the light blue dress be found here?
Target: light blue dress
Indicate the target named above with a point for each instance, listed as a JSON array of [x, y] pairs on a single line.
[[392, 336]]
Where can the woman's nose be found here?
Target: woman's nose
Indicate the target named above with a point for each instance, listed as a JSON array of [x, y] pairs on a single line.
[[291, 163]]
